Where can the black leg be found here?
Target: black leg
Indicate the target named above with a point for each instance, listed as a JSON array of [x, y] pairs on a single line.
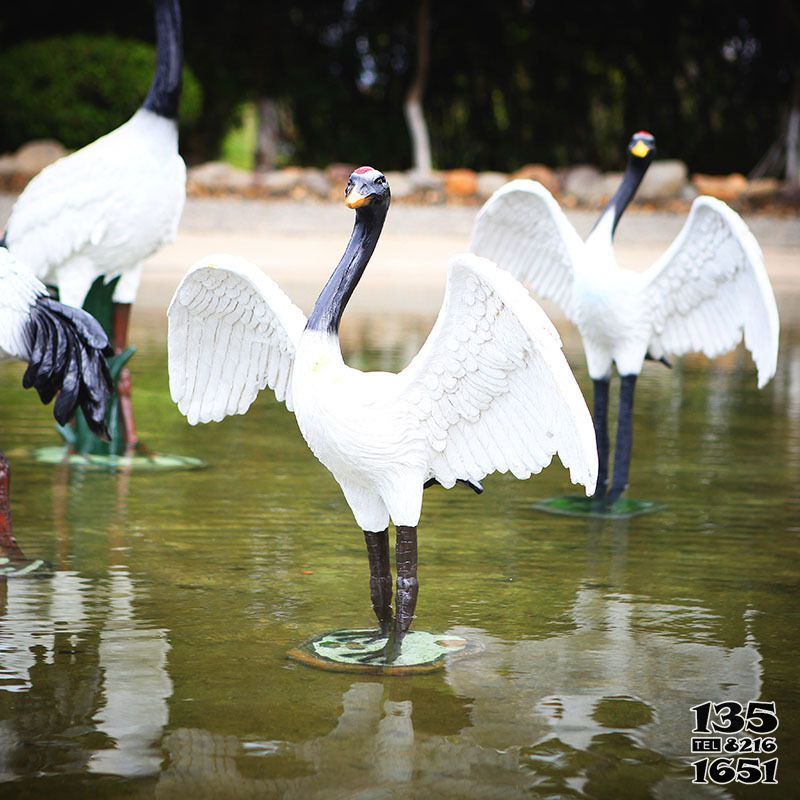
[[405, 596], [9, 547], [380, 577], [407, 583], [622, 452], [120, 316], [600, 419], [7, 540]]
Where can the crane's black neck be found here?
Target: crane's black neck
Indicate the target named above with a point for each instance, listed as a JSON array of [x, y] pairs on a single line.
[[327, 312], [634, 173], [165, 90]]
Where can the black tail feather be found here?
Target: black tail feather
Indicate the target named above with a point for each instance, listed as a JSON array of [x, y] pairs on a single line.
[[67, 356], [88, 329], [37, 345], [44, 366], [43, 360], [663, 360], [93, 397], [53, 365], [474, 485], [67, 400]]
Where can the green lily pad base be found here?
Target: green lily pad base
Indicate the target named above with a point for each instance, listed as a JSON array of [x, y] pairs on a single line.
[[152, 462], [572, 506], [344, 651], [11, 567]]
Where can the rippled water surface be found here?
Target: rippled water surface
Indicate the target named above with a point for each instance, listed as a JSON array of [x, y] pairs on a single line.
[[153, 662]]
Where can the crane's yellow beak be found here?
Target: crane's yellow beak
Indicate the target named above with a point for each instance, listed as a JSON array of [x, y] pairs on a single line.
[[355, 199], [640, 149]]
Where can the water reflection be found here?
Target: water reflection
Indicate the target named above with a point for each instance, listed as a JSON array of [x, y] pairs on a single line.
[[31, 620], [526, 692], [606, 702], [136, 686], [156, 652], [557, 715], [787, 401], [87, 689], [373, 751], [85, 685]]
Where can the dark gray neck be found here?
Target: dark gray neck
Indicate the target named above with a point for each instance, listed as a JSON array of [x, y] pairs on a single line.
[[327, 312], [165, 90], [634, 173]]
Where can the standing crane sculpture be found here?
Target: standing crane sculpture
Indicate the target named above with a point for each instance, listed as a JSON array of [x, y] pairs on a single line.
[[490, 390], [708, 291], [91, 218]]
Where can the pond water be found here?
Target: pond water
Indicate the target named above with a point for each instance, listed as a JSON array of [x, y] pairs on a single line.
[[153, 662]]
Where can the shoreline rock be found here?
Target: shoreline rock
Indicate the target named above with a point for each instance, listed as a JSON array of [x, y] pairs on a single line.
[[667, 184], [18, 168]]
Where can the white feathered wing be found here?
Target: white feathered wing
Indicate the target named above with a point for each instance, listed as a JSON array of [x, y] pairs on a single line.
[[522, 228], [232, 332], [491, 387], [490, 391], [18, 292], [710, 287]]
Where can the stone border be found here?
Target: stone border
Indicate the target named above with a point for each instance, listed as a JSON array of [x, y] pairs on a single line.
[[667, 184]]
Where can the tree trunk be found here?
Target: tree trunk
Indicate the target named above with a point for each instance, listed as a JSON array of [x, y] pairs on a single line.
[[783, 155], [415, 117], [793, 136], [267, 135]]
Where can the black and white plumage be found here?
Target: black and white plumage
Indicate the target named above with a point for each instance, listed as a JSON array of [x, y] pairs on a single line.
[[707, 292], [104, 209], [490, 390], [64, 347]]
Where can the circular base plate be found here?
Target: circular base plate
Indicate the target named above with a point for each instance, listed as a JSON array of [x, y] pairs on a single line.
[[345, 651], [11, 567], [154, 462], [573, 506]]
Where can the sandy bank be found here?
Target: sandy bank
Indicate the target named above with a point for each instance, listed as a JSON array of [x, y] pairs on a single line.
[[297, 244]]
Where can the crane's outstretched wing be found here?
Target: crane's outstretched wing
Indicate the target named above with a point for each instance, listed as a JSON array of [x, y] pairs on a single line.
[[709, 287], [524, 231], [63, 346], [491, 387], [232, 331]]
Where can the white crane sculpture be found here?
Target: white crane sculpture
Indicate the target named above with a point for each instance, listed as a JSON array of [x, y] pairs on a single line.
[[707, 291], [103, 210], [490, 390]]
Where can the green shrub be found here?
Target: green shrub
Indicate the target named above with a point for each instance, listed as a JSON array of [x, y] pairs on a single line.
[[76, 88]]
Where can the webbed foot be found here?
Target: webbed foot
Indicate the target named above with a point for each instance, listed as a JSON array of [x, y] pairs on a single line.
[[389, 653], [363, 636]]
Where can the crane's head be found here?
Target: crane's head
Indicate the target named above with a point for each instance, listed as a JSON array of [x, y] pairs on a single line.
[[367, 187], [642, 146]]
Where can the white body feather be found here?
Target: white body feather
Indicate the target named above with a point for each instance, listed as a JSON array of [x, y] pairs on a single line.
[[102, 210], [704, 294], [18, 292], [490, 391]]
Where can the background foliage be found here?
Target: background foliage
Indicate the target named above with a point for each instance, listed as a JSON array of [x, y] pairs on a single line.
[[76, 88], [512, 81]]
